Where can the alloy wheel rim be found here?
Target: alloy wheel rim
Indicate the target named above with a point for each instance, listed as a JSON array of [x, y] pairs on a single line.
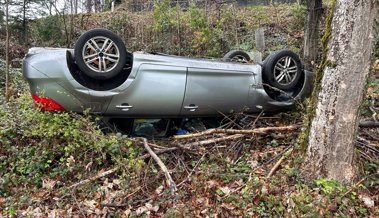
[[285, 70], [101, 54]]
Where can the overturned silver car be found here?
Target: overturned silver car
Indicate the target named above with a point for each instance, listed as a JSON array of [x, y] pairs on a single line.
[[100, 74]]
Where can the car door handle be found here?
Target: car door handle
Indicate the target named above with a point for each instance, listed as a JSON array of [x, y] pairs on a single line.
[[191, 107], [124, 107]]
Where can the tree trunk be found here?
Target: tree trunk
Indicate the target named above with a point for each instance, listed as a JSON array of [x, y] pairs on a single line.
[[311, 36], [24, 28], [76, 7], [89, 6], [333, 130], [7, 92]]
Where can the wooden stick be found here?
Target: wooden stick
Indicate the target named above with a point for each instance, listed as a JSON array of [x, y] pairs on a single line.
[[160, 151], [368, 124], [358, 183], [163, 167], [237, 131], [211, 141], [272, 171], [98, 176]]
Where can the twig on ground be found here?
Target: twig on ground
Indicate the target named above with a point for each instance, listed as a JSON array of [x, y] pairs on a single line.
[[368, 124], [228, 118], [115, 205], [160, 151], [358, 183], [193, 170], [272, 171], [98, 176], [273, 159], [79, 206], [122, 204], [113, 170], [371, 135], [261, 117], [237, 131], [252, 124], [215, 140], [373, 109], [366, 145], [239, 146], [170, 181], [364, 155]]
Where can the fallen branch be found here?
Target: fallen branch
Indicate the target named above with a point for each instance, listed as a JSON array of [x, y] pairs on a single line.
[[272, 159], [98, 176], [113, 170], [193, 170], [163, 167], [363, 143], [211, 141], [160, 151], [262, 130], [373, 109], [358, 183], [276, 166], [368, 124]]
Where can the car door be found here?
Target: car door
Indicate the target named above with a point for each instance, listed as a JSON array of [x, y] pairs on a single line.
[[157, 91], [211, 91]]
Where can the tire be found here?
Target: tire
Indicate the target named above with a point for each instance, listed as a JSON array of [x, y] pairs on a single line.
[[237, 56], [100, 54], [282, 69]]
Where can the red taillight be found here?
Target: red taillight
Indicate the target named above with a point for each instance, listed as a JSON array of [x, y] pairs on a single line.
[[46, 104]]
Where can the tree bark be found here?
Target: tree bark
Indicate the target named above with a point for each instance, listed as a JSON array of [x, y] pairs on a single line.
[[311, 35], [333, 130]]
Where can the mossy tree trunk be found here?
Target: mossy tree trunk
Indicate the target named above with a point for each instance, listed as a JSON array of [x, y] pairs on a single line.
[[332, 136], [311, 35]]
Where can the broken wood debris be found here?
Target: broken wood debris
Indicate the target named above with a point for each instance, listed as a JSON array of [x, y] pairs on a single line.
[[262, 130], [163, 167]]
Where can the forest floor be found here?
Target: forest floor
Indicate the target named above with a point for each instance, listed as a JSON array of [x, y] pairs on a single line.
[[64, 165], [212, 174]]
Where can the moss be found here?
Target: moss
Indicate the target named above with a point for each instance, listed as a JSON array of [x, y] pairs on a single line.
[[311, 103]]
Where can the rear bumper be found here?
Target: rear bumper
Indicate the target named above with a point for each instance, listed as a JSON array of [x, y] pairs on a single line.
[[45, 72]]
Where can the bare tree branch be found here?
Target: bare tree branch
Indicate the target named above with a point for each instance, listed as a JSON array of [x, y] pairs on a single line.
[[236, 131]]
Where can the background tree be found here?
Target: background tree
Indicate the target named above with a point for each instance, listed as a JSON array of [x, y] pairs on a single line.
[[345, 67], [7, 93], [311, 36], [2, 17]]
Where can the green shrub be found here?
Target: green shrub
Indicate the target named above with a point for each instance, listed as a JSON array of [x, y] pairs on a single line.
[[299, 14], [48, 31], [40, 145]]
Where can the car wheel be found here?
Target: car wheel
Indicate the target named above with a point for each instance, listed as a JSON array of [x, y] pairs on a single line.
[[282, 70], [237, 56], [100, 54]]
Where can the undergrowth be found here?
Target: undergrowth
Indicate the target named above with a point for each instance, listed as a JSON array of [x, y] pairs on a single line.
[[44, 153], [37, 146], [195, 31]]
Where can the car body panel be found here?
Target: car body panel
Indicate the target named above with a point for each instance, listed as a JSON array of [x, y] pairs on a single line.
[[207, 97], [158, 91], [158, 86]]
